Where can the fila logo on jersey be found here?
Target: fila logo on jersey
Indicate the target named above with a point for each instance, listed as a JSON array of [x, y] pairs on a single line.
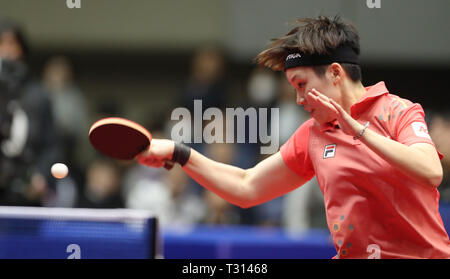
[[329, 151], [420, 129]]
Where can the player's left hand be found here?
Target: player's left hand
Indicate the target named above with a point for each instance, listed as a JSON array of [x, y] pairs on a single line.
[[347, 123]]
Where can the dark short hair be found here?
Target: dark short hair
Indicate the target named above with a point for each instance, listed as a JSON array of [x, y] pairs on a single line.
[[314, 36], [353, 71]]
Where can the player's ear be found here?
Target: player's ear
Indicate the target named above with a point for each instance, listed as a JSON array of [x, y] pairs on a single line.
[[335, 73]]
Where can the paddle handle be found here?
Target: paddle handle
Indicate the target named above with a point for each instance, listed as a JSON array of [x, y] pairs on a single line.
[[168, 165]]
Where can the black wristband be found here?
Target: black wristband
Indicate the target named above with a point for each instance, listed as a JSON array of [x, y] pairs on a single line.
[[181, 154]]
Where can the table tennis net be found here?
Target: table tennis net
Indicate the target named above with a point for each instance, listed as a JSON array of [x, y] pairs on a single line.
[[55, 233]]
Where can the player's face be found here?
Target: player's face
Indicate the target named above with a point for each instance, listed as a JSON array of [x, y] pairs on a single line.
[[303, 79]]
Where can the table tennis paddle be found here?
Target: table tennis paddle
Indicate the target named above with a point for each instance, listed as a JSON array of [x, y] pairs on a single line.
[[120, 138]]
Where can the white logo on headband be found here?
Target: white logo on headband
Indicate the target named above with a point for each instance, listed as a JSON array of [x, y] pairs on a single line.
[[293, 56]]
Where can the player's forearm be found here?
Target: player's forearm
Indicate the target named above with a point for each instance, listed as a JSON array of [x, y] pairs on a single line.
[[225, 180], [414, 162]]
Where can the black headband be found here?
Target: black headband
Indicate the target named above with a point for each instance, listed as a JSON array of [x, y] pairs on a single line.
[[342, 54]]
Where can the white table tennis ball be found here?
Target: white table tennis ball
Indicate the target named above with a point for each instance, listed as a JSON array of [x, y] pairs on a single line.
[[59, 170]]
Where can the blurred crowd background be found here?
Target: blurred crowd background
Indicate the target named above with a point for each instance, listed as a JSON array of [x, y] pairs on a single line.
[[62, 69]]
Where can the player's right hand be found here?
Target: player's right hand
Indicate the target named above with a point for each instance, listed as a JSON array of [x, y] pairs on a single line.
[[159, 152]]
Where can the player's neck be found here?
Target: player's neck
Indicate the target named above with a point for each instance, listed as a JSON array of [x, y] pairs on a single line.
[[352, 92]]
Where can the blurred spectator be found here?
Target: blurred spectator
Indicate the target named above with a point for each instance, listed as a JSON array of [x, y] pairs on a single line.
[[262, 87], [206, 80], [163, 192], [220, 211], [440, 133], [70, 113], [29, 143], [186, 208], [102, 187], [261, 93], [69, 108]]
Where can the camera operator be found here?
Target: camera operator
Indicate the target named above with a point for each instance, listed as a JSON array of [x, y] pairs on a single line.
[[28, 140]]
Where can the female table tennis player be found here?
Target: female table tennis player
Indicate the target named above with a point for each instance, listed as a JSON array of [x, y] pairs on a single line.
[[370, 150]]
